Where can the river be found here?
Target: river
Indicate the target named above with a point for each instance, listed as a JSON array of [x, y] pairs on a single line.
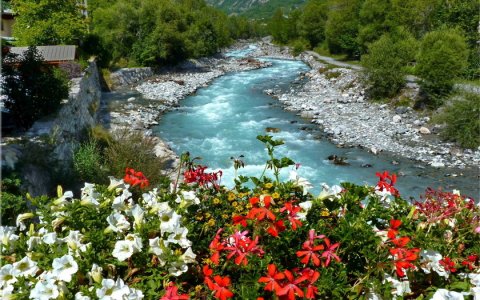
[[222, 121]]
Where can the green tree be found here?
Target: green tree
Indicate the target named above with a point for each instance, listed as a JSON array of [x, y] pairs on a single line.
[[462, 119], [48, 22], [277, 26], [341, 29], [442, 58], [384, 65], [311, 25], [32, 88]]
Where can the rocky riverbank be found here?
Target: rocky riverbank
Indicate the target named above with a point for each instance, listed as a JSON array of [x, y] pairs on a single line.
[[334, 98]]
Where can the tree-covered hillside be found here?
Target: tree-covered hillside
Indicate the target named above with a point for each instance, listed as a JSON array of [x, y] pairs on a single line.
[[256, 9]]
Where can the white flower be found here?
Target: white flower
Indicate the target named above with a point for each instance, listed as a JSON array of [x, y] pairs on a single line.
[[116, 184], [33, 241], [399, 287], [179, 236], [50, 238], [64, 268], [169, 222], [67, 196], [81, 296], [383, 234], [430, 260], [123, 201], [443, 294], [302, 182], [89, 195], [187, 198], [45, 290], [74, 241], [138, 213], [7, 276], [123, 250], [329, 192], [162, 208], [96, 273], [25, 267], [150, 199], [21, 218], [306, 206], [117, 222], [112, 290], [177, 268], [136, 241], [373, 296], [474, 278], [188, 257], [135, 295], [156, 246], [7, 235], [6, 293]]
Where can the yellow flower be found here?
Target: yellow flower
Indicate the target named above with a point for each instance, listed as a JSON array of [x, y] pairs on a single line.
[[199, 217], [269, 185], [198, 288], [275, 195], [249, 205], [207, 215], [225, 216], [234, 203], [216, 201], [325, 213], [231, 196], [211, 222]]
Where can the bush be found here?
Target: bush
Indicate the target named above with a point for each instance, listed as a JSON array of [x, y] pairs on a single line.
[[13, 203], [442, 58], [462, 118], [134, 150], [32, 88], [88, 163], [384, 65], [300, 45]]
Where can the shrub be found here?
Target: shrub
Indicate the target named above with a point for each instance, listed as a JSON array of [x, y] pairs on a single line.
[[300, 45], [88, 163], [462, 118], [384, 65], [442, 57], [32, 88], [134, 150], [13, 203]]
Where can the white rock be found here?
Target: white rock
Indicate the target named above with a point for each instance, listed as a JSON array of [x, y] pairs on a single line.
[[424, 130], [397, 119], [437, 164], [131, 99]]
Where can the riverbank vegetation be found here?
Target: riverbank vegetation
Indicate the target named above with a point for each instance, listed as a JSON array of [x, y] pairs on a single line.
[[262, 238], [131, 33], [433, 39]]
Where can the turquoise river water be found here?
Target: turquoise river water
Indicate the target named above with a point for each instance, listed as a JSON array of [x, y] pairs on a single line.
[[223, 120]]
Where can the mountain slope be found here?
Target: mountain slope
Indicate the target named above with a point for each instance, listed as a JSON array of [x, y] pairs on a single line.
[[255, 8]]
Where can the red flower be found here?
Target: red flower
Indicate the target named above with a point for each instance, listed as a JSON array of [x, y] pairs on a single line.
[[309, 252], [135, 178], [272, 279], [240, 246], [172, 293], [329, 253], [216, 246], [198, 175], [470, 261], [290, 289], [448, 264], [393, 231], [275, 228], [383, 185], [208, 272], [311, 276], [292, 211], [221, 288], [261, 212], [239, 220], [403, 257]]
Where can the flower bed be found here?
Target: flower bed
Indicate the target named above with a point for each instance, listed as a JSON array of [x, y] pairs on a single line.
[[200, 240]]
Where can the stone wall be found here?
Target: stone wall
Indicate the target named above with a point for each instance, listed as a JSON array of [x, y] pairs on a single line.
[[127, 76]]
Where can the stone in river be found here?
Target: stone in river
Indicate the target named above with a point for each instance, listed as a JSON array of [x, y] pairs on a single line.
[[131, 99], [397, 119], [424, 130], [272, 129]]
